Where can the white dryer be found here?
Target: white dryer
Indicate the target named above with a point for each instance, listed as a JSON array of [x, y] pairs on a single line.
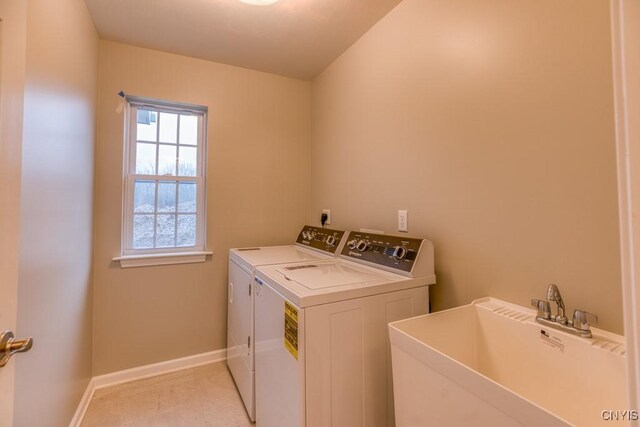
[[322, 346], [313, 244]]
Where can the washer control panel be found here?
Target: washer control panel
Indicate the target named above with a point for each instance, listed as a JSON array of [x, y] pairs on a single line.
[[395, 252], [324, 239]]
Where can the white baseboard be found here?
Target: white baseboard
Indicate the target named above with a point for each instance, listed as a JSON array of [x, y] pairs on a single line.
[[83, 405], [146, 371], [142, 372]]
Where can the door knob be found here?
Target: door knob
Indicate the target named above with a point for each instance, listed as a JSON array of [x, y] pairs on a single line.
[[9, 346]]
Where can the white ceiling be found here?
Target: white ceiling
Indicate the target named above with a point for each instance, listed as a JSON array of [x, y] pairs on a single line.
[[295, 38]]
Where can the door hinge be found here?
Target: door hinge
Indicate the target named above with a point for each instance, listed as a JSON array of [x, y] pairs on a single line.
[[249, 289], [249, 341]]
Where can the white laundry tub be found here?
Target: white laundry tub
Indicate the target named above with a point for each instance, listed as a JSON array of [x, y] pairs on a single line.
[[490, 364]]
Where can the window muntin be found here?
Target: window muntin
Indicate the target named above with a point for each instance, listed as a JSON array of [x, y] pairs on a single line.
[[164, 179]]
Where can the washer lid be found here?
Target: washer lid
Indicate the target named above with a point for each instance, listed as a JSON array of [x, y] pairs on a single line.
[[275, 255], [323, 282], [320, 276]]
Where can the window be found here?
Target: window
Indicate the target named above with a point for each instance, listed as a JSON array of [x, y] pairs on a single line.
[[164, 182]]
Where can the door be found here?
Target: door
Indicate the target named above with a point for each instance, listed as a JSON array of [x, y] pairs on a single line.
[[626, 64], [8, 277], [13, 19]]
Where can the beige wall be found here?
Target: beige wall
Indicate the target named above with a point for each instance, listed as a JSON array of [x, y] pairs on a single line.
[[56, 218], [257, 194], [492, 123]]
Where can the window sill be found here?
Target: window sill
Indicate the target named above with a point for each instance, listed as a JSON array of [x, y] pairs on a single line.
[[127, 261]]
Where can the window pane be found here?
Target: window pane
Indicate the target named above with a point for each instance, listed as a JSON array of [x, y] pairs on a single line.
[[187, 197], [188, 130], [146, 158], [186, 230], [165, 231], [166, 197], [144, 196], [147, 125], [142, 231], [187, 163], [167, 160], [168, 127]]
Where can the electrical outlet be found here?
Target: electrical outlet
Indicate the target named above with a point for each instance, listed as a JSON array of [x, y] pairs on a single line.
[[328, 212], [403, 221]]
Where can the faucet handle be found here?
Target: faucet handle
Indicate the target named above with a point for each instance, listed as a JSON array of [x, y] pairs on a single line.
[[581, 320], [543, 307]]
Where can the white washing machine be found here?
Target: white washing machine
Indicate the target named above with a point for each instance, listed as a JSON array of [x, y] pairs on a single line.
[[322, 346], [313, 244]]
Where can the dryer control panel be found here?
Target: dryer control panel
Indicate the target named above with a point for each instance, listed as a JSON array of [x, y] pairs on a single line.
[[394, 252], [324, 239]]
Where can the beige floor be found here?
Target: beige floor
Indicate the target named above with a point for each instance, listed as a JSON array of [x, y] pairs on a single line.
[[203, 396]]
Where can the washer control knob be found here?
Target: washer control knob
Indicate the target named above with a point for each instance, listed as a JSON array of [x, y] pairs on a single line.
[[331, 241], [352, 244], [363, 245], [399, 252]]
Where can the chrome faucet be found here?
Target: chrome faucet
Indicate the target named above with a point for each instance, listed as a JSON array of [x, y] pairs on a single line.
[[543, 307], [580, 325], [553, 294]]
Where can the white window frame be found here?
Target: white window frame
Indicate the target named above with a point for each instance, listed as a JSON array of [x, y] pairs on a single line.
[[131, 257]]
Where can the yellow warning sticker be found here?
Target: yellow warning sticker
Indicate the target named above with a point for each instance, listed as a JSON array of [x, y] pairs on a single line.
[[291, 329]]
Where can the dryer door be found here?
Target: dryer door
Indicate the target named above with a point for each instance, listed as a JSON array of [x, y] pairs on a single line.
[[240, 333]]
